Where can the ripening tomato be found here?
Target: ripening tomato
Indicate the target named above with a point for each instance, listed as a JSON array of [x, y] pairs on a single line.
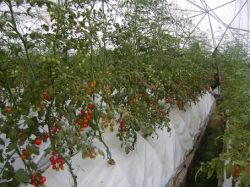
[[179, 104], [46, 95], [248, 170], [7, 109], [92, 84], [168, 100], [91, 106], [23, 157], [91, 155], [162, 113], [78, 121]]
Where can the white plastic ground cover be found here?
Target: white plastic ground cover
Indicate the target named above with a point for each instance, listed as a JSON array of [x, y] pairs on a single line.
[[153, 163]]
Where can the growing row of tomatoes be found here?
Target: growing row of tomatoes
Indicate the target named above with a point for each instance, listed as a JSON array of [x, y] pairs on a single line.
[[82, 121]]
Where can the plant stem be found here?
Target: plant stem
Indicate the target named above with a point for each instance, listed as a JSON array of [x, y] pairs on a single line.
[[7, 161], [25, 164], [14, 27], [109, 156], [71, 172], [9, 89]]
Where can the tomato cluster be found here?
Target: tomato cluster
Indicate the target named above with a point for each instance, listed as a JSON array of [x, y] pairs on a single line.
[[37, 179], [55, 130], [122, 126], [56, 160], [84, 117]]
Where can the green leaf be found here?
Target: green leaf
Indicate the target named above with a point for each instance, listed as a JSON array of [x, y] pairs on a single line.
[[11, 146], [244, 179], [1, 156], [33, 166], [209, 173], [34, 150], [22, 176], [4, 185], [228, 170]]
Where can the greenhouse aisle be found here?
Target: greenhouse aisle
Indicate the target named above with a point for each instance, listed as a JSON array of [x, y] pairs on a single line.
[[209, 148]]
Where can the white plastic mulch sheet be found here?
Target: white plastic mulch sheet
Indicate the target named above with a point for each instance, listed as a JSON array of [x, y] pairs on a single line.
[[153, 163]]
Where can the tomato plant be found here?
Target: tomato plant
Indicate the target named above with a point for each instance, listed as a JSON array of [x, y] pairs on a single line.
[[235, 106], [69, 78]]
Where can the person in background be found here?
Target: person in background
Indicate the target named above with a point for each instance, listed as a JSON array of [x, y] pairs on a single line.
[[216, 86]]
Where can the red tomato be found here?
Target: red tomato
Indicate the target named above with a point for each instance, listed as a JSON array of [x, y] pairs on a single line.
[[61, 166], [45, 136], [42, 180], [37, 141], [122, 126], [235, 172], [90, 113], [33, 176], [54, 167], [84, 125], [52, 160], [86, 121], [55, 130], [82, 112], [88, 117], [54, 153], [34, 183]]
